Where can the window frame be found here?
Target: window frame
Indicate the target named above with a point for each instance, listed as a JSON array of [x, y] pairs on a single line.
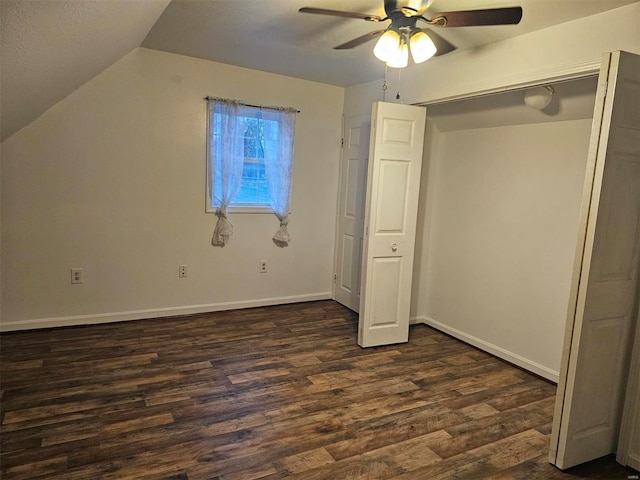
[[253, 208]]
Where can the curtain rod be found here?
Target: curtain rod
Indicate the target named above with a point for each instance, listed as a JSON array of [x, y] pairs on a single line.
[[207, 98]]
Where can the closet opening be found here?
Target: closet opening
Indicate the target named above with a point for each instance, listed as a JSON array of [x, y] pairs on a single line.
[[501, 192]]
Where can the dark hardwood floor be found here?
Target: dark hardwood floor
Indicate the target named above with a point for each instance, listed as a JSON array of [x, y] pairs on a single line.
[[269, 393]]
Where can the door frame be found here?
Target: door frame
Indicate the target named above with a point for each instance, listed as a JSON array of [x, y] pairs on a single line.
[[336, 235]]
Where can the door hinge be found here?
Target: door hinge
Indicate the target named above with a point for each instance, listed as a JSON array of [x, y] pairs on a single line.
[[335, 277], [342, 142]]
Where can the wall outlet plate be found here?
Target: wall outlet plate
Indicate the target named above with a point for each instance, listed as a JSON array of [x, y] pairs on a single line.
[[182, 271], [77, 275]]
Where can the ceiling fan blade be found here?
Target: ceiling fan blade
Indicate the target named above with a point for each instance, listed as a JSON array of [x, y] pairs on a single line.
[[443, 46], [472, 18], [339, 13], [360, 40]]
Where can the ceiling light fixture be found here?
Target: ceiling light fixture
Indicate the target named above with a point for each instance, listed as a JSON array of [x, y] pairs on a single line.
[[422, 47], [393, 46], [539, 98], [387, 45]]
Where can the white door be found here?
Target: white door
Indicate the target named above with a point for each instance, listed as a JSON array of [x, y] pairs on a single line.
[[353, 172], [393, 184], [629, 445], [600, 332]]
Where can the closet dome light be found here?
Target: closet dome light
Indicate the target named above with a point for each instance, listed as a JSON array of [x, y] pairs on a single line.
[[538, 98]]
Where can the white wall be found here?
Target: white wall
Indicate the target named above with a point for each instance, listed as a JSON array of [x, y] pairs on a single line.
[[112, 179], [497, 268]]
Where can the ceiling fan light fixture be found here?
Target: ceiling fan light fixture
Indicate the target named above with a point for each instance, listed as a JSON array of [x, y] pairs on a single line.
[[387, 45], [400, 57], [422, 47]]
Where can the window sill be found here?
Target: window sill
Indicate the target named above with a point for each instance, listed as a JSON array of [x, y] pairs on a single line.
[[248, 209]]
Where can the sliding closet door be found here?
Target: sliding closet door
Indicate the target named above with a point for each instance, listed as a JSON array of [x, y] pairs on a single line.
[[605, 288]]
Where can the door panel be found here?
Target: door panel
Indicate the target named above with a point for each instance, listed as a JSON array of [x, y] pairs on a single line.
[[392, 196], [629, 445], [351, 210], [591, 393], [391, 209], [386, 271], [347, 271]]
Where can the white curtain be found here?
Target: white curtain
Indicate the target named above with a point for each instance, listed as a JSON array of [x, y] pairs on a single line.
[[278, 133], [226, 148]]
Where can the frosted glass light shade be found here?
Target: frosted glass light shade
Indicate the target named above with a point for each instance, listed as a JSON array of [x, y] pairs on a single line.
[[400, 58], [387, 45], [538, 98], [422, 47]]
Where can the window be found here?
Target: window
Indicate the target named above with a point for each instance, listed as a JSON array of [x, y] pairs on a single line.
[[250, 161], [254, 132]]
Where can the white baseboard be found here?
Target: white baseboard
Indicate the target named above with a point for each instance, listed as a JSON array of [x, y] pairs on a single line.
[[499, 352], [155, 312]]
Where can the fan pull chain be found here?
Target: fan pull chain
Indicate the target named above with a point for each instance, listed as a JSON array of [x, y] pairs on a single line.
[[384, 84], [399, 77]]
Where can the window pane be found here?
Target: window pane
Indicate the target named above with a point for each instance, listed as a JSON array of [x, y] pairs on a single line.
[[254, 188], [247, 193], [252, 135]]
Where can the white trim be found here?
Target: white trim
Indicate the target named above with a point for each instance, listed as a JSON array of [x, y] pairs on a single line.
[[336, 236], [549, 75], [243, 209], [155, 312], [510, 357]]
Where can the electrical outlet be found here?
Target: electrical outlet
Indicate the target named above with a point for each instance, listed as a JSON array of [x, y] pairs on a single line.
[[182, 271], [263, 266], [77, 275]]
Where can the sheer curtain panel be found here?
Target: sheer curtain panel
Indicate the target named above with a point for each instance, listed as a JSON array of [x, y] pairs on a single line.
[[226, 149], [279, 125]]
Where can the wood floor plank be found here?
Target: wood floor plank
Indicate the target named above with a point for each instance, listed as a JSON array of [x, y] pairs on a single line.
[[268, 393]]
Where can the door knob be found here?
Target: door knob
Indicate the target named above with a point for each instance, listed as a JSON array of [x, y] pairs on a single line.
[[394, 247]]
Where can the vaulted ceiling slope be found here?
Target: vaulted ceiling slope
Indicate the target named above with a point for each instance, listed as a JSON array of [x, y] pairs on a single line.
[[49, 48]]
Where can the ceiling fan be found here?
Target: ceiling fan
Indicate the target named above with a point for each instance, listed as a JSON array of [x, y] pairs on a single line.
[[403, 32]]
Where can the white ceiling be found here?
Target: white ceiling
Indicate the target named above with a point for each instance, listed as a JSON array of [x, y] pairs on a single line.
[[49, 48]]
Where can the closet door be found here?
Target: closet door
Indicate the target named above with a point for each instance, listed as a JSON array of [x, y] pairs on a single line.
[[393, 185], [629, 446], [353, 173], [601, 323]]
